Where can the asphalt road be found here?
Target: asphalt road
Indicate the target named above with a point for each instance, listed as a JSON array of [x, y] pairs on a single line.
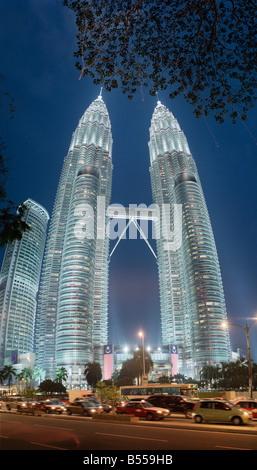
[[51, 432]]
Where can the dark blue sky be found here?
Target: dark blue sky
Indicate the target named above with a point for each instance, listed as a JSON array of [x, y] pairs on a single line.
[[37, 45]]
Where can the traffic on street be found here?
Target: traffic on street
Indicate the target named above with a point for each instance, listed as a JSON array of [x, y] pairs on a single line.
[[61, 431]]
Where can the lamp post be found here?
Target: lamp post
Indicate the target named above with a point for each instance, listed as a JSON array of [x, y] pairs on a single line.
[[141, 334], [246, 330]]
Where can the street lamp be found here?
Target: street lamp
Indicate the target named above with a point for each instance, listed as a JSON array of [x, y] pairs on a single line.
[[141, 334], [246, 330]]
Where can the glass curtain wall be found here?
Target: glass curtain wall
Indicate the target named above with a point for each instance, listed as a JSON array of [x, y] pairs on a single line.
[[91, 144], [191, 291], [19, 282]]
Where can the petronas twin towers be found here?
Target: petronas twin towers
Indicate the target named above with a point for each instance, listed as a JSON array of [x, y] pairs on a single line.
[[72, 315]]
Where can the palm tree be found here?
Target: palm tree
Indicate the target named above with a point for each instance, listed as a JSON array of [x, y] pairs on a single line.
[[210, 373], [2, 376], [93, 373], [235, 374], [61, 374], [8, 373], [26, 374], [134, 367], [179, 378], [39, 374]]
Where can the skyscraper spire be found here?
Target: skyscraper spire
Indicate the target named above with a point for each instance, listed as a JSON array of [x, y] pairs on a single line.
[[158, 101], [100, 95]]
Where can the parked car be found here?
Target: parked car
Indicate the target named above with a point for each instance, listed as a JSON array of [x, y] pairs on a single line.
[[174, 403], [220, 412], [81, 408], [52, 406], [142, 409], [247, 404]]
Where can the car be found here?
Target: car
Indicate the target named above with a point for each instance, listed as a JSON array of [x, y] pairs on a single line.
[[137, 399], [91, 401], [219, 412], [26, 404], [142, 409], [174, 403], [52, 406], [248, 404], [10, 402], [81, 408], [29, 406], [15, 402], [105, 406], [65, 400]]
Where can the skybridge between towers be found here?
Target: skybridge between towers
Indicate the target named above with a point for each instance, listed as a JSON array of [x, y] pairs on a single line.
[[74, 281], [133, 215]]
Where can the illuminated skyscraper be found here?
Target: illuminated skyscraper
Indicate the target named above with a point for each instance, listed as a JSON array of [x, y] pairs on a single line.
[[19, 281], [191, 291], [72, 316], [73, 298]]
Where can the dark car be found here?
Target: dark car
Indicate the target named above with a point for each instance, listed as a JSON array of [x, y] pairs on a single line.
[[96, 402], [105, 406], [81, 408], [174, 403], [91, 402], [142, 409]]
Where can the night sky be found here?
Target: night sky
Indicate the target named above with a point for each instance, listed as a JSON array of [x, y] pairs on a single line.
[[37, 45]]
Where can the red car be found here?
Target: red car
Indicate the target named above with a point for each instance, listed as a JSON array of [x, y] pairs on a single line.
[[248, 404], [142, 409], [51, 406]]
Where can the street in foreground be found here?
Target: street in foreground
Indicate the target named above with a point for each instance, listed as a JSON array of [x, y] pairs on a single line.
[[21, 432]]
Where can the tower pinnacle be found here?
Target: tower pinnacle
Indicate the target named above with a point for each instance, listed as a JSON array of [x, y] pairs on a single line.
[[158, 101], [100, 96]]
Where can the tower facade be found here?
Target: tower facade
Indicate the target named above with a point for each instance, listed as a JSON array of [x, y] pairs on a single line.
[[19, 281], [191, 291], [73, 297]]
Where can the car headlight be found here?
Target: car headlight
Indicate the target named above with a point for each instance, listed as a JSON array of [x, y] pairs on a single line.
[[245, 413], [93, 410]]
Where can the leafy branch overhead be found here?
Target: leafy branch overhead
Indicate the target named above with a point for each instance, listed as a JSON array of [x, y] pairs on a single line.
[[203, 49], [12, 223]]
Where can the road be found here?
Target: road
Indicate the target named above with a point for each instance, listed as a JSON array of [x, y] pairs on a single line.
[[51, 432]]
